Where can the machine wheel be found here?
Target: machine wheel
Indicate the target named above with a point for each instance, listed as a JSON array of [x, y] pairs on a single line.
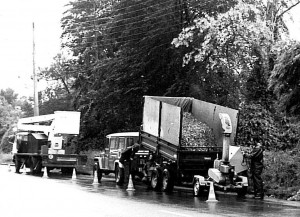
[[119, 175], [156, 181], [167, 181], [197, 189], [242, 191]]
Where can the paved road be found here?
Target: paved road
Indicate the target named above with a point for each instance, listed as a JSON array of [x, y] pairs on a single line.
[[26, 195]]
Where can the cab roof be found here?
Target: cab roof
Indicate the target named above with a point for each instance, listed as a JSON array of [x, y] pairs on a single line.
[[123, 134]]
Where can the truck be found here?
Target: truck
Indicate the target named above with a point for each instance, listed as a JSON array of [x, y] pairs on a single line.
[[44, 142], [120, 147], [165, 160]]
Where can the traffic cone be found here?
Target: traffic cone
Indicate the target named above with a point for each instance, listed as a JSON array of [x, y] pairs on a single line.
[[211, 195], [24, 169], [95, 181], [9, 169], [74, 174], [45, 175], [130, 186]]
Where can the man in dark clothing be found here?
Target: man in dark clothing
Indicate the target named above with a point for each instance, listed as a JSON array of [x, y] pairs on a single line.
[[256, 167]]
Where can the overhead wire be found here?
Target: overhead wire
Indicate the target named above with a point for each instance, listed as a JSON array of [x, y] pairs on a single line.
[[121, 20], [130, 23], [116, 11]]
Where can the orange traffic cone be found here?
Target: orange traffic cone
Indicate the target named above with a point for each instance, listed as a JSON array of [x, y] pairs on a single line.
[[9, 169], [130, 186], [95, 181], [211, 195], [74, 174], [45, 174]]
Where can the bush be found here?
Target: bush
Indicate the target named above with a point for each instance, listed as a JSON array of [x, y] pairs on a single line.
[[257, 124], [281, 173]]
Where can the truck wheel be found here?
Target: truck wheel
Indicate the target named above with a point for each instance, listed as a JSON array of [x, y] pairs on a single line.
[[167, 181], [17, 164], [38, 168], [99, 172], [156, 181], [197, 189], [33, 165], [119, 175]]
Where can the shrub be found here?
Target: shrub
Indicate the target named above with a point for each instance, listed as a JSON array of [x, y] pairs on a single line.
[[281, 173]]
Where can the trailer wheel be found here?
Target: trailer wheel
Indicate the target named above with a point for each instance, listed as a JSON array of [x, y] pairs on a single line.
[[242, 191], [156, 181], [197, 189], [167, 181], [119, 175]]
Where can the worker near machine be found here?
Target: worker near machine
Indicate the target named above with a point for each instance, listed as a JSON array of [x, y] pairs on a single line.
[[256, 168]]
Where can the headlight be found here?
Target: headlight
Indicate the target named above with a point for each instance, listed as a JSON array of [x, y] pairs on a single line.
[[50, 156]]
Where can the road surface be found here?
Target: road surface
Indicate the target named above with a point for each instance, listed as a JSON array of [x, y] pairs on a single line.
[[59, 196]]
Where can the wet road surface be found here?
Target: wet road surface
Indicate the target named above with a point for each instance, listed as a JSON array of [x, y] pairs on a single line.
[[61, 196]]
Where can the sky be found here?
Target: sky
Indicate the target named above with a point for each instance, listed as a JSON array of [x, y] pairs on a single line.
[[16, 39]]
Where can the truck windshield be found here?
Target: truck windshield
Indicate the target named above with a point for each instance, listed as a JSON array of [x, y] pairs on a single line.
[[130, 142], [121, 143], [113, 143]]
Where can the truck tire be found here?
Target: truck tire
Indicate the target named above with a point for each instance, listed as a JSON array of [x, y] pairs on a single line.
[[35, 165], [17, 164], [119, 175], [167, 181], [156, 180], [99, 172]]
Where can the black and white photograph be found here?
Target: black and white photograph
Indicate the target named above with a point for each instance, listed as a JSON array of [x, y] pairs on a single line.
[[152, 108]]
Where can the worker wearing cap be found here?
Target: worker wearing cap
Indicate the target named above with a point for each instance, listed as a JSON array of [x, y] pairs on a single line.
[[256, 167]]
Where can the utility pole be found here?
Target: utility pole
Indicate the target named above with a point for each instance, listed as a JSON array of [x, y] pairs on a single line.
[[35, 95]]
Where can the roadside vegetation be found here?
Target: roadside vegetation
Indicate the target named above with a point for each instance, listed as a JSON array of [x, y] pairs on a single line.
[[233, 53]]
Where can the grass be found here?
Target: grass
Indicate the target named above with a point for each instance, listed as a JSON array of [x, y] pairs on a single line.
[[5, 158]]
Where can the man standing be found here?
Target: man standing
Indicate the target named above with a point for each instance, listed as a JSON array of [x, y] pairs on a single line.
[[256, 167]]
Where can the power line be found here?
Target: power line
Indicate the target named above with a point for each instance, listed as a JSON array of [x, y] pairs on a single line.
[[122, 39], [119, 21], [99, 19]]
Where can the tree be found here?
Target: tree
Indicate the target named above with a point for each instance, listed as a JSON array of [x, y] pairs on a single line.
[[60, 78], [9, 95], [285, 79]]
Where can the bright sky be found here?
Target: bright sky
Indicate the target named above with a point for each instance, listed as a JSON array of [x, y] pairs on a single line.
[[16, 18], [16, 40]]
